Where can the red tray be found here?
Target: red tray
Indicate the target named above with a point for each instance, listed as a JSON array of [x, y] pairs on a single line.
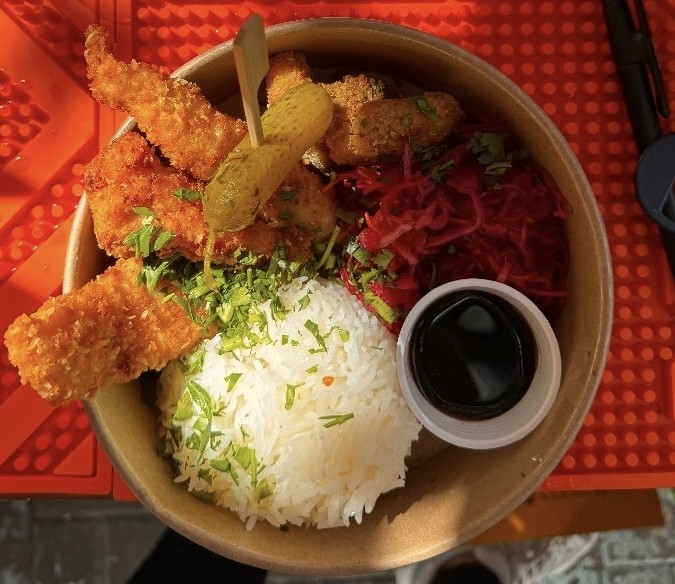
[[556, 51]]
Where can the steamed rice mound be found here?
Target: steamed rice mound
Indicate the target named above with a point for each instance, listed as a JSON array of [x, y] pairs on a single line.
[[306, 427]]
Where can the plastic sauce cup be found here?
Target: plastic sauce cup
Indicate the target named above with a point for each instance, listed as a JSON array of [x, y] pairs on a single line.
[[516, 422]]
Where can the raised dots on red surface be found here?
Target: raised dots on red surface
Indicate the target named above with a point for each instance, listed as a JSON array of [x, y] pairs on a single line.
[[9, 379], [568, 461], [646, 333], [610, 460], [82, 421], [650, 417], [525, 28], [623, 312], [627, 355], [649, 395], [568, 49], [588, 439], [665, 333], [628, 397], [632, 459], [590, 461], [21, 463], [43, 441], [64, 419], [42, 462], [653, 458], [625, 334], [630, 418], [666, 353], [527, 68], [64, 441], [648, 375], [646, 312]]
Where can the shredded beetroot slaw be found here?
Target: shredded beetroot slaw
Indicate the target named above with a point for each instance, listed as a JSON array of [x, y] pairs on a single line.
[[459, 226]]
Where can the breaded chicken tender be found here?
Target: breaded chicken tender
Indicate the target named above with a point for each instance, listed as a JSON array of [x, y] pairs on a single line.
[[302, 202], [172, 113], [349, 95], [380, 128], [286, 71], [128, 175], [109, 331]]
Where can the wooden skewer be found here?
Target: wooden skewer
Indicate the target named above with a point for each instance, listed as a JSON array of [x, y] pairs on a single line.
[[252, 62]]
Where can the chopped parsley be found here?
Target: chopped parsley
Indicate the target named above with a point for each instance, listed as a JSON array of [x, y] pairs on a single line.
[[426, 108], [232, 307], [336, 420], [193, 363], [304, 301], [187, 194], [313, 328], [290, 394], [148, 238], [494, 152], [231, 380]]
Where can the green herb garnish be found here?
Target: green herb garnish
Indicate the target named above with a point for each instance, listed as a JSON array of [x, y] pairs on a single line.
[[231, 380], [426, 108], [290, 394], [187, 194], [148, 238], [313, 328], [336, 420]]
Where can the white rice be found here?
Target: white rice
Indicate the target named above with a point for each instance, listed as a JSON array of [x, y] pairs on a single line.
[[306, 473]]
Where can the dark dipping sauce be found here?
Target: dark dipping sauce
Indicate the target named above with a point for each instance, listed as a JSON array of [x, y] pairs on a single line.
[[473, 355]]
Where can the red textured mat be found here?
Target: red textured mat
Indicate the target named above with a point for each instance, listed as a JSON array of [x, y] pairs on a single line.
[[556, 51]]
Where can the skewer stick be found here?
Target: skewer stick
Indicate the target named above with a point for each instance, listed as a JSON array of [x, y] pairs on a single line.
[[252, 62]]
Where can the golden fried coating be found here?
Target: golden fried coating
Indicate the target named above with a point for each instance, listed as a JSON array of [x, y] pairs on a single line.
[[380, 128], [290, 69], [302, 202], [127, 174], [349, 95], [109, 331], [173, 113], [286, 71]]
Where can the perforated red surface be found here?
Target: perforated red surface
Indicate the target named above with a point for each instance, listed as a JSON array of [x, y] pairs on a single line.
[[556, 51]]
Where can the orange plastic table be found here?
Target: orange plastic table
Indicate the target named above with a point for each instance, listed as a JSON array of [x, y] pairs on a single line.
[[557, 51]]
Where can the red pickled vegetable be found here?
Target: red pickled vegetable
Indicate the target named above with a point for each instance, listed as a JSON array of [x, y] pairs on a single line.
[[479, 209]]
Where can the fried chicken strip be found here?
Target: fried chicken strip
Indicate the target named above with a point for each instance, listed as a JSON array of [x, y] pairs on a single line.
[[349, 95], [366, 124], [109, 331], [173, 113], [381, 128], [127, 175], [302, 203], [290, 69], [286, 71]]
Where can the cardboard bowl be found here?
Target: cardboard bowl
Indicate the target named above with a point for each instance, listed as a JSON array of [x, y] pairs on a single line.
[[458, 493]]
